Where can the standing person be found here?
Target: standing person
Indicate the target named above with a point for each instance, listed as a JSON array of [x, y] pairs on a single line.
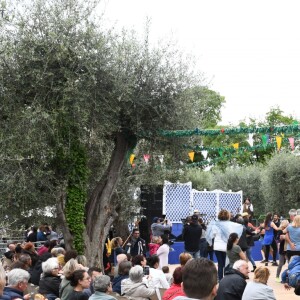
[[232, 286], [159, 226], [136, 245], [250, 233], [269, 239], [282, 247], [163, 251], [199, 280], [203, 242], [219, 231], [191, 235], [154, 245], [234, 251], [116, 246], [248, 208], [293, 237], [258, 288]]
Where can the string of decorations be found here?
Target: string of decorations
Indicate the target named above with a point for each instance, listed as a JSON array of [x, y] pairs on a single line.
[[287, 129]]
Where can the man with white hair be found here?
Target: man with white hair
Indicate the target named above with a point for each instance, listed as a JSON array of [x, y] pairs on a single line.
[[102, 287], [233, 284], [17, 283]]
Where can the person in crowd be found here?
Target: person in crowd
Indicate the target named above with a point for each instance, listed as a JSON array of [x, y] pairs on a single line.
[[36, 272], [160, 226], [17, 282], [102, 287], [166, 271], [7, 260], [121, 257], [269, 239], [56, 251], [52, 235], [250, 235], [42, 233], [44, 248], [50, 280], [234, 251], [199, 280], [232, 286], [258, 288], [291, 275], [81, 259], [248, 208], [2, 279], [157, 277], [154, 245], [32, 236], [70, 254], [139, 260], [26, 260], [136, 244], [203, 242], [191, 235], [30, 249], [292, 214], [219, 231], [282, 247], [79, 280], [293, 237], [116, 246], [93, 272], [163, 251], [134, 287], [65, 288], [176, 287], [243, 238], [184, 257], [123, 273]]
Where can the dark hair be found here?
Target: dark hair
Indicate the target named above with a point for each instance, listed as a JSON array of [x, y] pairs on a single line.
[[268, 219], [165, 269], [177, 275], [76, 276], [19, 265], [129, 257], [165, 239], [136, 260], [92, 269], [70, 254], [232, 238], [152, 260], [199, 277], [124, 267], [134, 230]]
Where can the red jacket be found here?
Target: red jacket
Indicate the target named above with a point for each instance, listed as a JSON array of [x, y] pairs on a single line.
[[174, 291], [153, 248]]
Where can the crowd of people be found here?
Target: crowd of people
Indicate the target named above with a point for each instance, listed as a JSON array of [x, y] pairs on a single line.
[[141, 271]]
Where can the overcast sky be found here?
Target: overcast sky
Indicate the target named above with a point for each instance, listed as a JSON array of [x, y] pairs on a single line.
[[248, 50]]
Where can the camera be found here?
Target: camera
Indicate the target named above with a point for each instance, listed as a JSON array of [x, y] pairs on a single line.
[[146, 270]]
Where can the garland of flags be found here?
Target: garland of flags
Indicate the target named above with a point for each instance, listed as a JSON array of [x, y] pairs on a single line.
[[280, 139]]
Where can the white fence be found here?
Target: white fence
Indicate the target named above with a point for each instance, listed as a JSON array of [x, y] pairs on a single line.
[[180, 200]]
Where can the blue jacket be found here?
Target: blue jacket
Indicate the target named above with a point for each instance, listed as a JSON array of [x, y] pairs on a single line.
[[294, 265], [10, 293]]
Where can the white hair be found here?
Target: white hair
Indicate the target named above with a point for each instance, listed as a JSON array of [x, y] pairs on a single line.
[[50, 264], [16, 276], [136, 274], [238, 264]]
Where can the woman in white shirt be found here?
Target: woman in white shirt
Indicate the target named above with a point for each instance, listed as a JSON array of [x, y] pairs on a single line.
[[157, 278], [163, 252]]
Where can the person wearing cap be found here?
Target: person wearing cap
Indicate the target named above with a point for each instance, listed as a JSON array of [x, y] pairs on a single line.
[[158, 227], [191, 235]]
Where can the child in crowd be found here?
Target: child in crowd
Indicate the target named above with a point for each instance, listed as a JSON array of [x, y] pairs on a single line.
[[166, 271], [154, 245]]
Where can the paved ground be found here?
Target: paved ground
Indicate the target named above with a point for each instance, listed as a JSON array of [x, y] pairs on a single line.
[[279, 291]]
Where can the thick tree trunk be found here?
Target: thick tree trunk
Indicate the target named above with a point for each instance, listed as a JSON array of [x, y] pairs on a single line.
[[99, 211], [68, 238]]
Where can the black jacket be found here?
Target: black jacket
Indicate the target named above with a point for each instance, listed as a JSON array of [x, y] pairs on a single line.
[[191, 235], [49, 284], [232, 286], [116, 283]]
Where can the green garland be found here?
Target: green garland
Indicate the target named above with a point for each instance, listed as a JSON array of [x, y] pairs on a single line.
[[231, 131]]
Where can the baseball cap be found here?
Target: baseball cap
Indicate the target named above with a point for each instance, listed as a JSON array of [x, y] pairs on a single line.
[[155, 219]]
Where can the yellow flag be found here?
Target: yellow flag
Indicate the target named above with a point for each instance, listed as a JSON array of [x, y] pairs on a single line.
[[191, 155], [236, 146], [131, 158], [278, 141], [108, 247]]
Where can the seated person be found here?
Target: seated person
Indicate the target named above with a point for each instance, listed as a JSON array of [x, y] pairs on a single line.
[[124, 268]]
